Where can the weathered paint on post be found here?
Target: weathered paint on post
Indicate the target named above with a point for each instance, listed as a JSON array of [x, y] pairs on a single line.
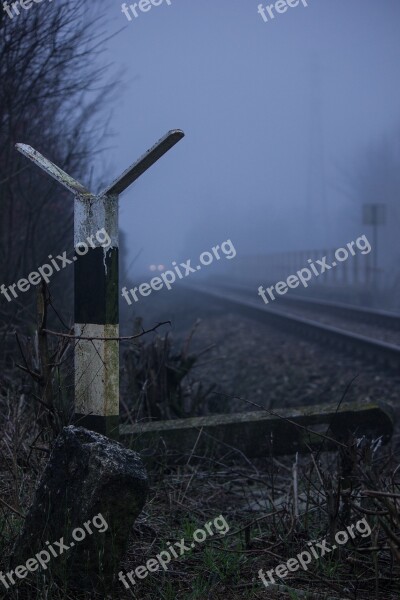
[[96, 288], [96, 315]]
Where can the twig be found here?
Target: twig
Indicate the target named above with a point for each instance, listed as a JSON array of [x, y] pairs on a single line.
[[295, 487], [107, 339], [13, 509], [375, 493], [274, 414], [348, 386]]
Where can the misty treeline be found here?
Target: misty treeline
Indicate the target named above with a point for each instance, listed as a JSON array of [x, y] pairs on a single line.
[[53, 93]]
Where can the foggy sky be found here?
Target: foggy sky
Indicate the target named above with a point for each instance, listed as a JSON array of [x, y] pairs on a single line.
[[271, 112]]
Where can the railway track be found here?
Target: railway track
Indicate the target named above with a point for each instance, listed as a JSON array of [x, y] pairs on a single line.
[[369, 348], [381, 318]]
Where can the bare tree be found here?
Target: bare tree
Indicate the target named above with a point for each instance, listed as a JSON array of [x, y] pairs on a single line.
[[51, 83]]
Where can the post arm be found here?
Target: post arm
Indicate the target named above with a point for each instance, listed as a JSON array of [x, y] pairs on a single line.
[[144, 162], [51, 169]]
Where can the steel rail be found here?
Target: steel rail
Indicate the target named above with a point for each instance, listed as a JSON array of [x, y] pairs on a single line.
[[376, 350], [382, 318]]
